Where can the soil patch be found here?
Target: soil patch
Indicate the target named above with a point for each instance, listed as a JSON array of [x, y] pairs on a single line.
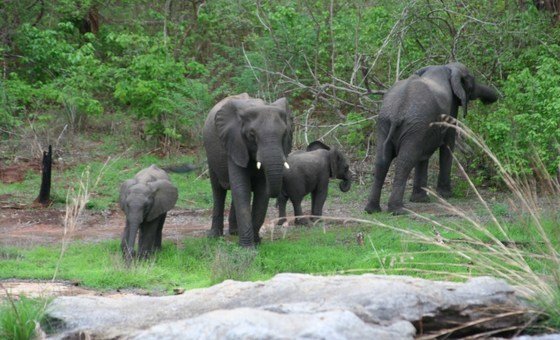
[[16, 172], [30, 227]]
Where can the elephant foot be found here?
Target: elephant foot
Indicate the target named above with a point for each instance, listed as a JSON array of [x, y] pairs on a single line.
[[247, 245], [445, 192], [233, 231], [398, 211], [215, 233], [372, 208], [303, 221], [420, 197]]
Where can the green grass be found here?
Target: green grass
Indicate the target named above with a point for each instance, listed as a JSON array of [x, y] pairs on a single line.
[[200, 262], [194, 192], [18, 318]]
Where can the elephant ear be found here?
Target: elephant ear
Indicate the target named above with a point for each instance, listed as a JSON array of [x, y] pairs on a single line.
[[457, 79], [282, 103], [229, 124], [335, 158], [125, 187], [317, 145], [164, 195]]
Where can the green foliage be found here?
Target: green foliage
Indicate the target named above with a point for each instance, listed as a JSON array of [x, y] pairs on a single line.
[[165, 69], [525, 127], [357, 130], [18, 317], [157, 90]]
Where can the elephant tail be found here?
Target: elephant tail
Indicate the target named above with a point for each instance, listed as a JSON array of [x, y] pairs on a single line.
[[181, 168], [387, 150]]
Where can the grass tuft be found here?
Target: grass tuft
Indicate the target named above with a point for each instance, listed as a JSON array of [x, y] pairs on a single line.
[[232, 263], [20, 319]]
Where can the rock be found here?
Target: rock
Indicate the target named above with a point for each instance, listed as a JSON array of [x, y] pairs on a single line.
[[295, 306]]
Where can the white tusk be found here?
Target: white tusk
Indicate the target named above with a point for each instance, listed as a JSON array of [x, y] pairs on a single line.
[[286, 165], [258, 165]]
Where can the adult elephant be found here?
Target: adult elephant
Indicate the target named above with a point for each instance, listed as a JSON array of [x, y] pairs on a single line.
[[406, 129], [247, 141], [310, 172], [145, 199]]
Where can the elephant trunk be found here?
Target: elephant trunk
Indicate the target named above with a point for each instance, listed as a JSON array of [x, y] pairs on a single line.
[[485, 93], [345, 185], [129, 239], [273, 162]]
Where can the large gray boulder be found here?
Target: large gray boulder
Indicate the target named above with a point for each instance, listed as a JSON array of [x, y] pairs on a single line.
[[295, 306]]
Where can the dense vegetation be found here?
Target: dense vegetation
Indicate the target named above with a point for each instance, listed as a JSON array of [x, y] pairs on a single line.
[[134, 79], [151, 70]]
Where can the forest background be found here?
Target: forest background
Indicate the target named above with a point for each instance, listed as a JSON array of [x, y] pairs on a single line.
[[147, 72]]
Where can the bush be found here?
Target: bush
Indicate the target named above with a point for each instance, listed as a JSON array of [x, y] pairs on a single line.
[[163, 93], [18, 318], [526, 124]]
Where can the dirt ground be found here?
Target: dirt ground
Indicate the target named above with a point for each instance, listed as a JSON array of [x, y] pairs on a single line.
[[29, 227]]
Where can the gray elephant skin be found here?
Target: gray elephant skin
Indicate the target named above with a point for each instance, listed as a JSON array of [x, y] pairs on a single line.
[[145, 200], [310, 172], [247, 141], [406, 130]]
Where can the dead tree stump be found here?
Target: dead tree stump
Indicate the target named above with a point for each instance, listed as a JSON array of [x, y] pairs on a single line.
[[44, 197]]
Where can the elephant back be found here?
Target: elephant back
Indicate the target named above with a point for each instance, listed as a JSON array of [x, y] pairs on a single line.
[[150, 174]]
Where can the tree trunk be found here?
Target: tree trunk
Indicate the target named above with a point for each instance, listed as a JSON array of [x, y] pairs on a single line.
[[45, 191]]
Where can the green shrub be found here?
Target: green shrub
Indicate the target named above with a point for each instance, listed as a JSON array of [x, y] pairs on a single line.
[[162, 93], [18, 318], [526, 124]]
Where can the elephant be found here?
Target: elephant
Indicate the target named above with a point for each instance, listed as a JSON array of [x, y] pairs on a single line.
[[247, 141], [145, 200], [310, 172], [408, 130]]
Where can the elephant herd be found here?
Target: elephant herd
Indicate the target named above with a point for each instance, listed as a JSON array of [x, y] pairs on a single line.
[[248, 144]]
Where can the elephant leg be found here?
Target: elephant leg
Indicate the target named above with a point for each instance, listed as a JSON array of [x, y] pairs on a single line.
[[403, 168], [219, 198], [445, 162], [282, 201], [148, 237], [318, 198], [241, 195], [296, 203], [159, 235], [232, 220], [379, 174], [260, 206], [420, 181]]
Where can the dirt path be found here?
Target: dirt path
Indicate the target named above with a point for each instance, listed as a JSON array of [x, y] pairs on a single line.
[[29, 227]]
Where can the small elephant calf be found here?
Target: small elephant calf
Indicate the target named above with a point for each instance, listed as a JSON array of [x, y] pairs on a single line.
[[145, 200], [310, 172]]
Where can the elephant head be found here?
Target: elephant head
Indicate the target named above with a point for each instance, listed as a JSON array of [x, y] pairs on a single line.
[[464, 85], [339, 167], [257, 134], [143, 199]]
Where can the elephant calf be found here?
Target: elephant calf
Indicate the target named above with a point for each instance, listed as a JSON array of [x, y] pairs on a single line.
[[145, 200], [309, 172]]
